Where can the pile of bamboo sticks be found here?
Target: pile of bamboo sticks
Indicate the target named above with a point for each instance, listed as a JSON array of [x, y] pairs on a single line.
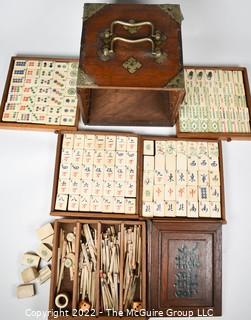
[[88, 265], [66, 256], [132, 266], [110, 264]]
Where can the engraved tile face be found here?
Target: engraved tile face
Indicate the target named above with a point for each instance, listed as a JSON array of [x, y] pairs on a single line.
[[132, 65]]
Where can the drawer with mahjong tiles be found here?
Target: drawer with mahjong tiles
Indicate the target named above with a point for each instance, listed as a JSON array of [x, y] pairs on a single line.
[[40, 94], [98, 268], [182, 179], [217, 104], [96, 175]]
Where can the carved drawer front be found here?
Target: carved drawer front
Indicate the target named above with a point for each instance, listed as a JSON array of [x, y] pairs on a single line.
[[185, 268]]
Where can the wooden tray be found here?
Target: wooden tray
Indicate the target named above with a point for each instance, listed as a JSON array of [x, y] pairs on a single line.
[[185, 219], [88, 214], [221, 135], [33, 126], [71, 287]]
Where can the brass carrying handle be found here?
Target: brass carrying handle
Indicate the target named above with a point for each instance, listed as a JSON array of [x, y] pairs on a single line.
[[110, 38], [132, 24], [154, 51]]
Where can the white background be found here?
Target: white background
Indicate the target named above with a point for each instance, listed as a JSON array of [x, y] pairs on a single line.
[[214, 32]]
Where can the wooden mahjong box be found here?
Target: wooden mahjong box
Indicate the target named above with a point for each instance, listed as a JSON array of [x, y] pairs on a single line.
[[131, 67]]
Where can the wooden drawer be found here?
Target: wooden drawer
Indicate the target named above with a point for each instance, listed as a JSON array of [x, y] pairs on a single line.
[[187, 177], [131, 68], [217, 104], [40, 94], [73, 282], [184, 268], [115, 170]]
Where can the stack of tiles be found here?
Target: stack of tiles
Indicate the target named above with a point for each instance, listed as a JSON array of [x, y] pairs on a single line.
[[98, 173], [215, 101], [42, 92], [181, 179]]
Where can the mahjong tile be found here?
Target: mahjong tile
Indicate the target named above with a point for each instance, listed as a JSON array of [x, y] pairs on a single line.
[[181, 177], [67, 120], [119, 189], [74, 187], [181, 208], [214, 178], [120, 158], [68, 140], [148, 193], [121, 143], [214, 193], [181, 147], [64, 171], [61, 202], [108, 188], [181, 193], [215, 209], [109, 158], [9, 116], [192, 193], [130, 206], [79, 141], [89, 141], [192, 209], [131, 174], [203, 193], [130, 189], [148, 148], [97, 189], [98, 172], [158, 192], [171, 147], [76, 171], [96, 203], [160, 147], [170, 192], [107, 204], [147, 209], [159, 209], [110, 143], [77, 156], [100, 142], [119, 173], [204, 209], [86, 187], [170, 162], [203, 178], [63, 186], [132, 144], [148, 163], [131, 159], [119, 205], [159, 162], [170, 209], [84, 203]]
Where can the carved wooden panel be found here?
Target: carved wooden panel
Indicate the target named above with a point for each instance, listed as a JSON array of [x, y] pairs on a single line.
[[184, 267]]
